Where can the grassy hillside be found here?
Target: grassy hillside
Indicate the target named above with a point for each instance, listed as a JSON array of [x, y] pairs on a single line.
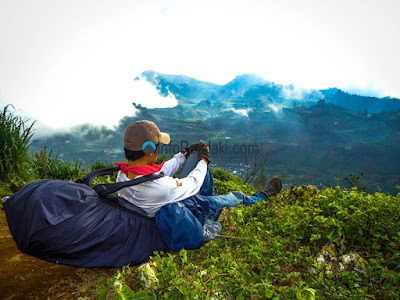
[[303, 244]]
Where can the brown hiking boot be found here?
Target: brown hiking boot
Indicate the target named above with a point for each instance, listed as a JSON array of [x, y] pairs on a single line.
[[273, 187]]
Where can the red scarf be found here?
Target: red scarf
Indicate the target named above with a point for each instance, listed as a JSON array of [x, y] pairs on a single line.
[[140, 170]]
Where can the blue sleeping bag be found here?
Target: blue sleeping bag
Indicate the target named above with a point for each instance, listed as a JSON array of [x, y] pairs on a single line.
[[70, 223], [73, 224]]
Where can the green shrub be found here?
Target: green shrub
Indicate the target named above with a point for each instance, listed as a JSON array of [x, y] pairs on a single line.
[[102, 179], [15, 136], [98, 164], [117, 289], [54, 168], [224, 187], [302, 244], [224, 175], [225, 182], [161, 158]]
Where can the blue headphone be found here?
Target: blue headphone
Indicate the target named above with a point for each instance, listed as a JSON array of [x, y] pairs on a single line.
[[149, 147]]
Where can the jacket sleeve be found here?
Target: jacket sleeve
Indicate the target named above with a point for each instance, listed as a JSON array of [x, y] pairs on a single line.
[[172, 166], [186, 187]]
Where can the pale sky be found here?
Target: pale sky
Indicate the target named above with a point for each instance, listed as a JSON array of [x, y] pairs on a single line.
[[67, 62]]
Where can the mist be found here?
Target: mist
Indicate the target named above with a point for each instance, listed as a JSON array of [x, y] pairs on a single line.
[[366, 90], [146, 94], [241, 112], [294, 92], [105, 106]]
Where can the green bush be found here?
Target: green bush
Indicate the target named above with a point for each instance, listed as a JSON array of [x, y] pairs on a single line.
[[225, 182], [161, 158], [224, 187], [54, 168], [302, 244], [15, 136], [98, 164], [102, 179], [224, 175]]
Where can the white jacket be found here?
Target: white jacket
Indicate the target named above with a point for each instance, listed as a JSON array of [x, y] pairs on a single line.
[[152, 195]]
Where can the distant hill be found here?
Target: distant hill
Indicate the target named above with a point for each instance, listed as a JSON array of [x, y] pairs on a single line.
[[183, 87], [252, 91], [313, 136], [356, 103]]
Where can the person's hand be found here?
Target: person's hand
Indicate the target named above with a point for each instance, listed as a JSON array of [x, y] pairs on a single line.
[[186, 151], [204, 151]]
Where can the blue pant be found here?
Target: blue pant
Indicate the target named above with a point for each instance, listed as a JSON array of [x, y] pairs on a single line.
[[207, 190]]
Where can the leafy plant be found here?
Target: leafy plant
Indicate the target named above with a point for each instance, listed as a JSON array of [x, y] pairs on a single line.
[[46, 166], [98, 164], [117, 289], [15, 136], [161, 158], [353, 180], [224, 175], [302, 244], [224, 187], [225, 182]]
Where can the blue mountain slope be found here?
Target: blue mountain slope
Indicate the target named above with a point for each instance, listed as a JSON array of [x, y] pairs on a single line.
[[251, 91], [356, 103], [313, 136]]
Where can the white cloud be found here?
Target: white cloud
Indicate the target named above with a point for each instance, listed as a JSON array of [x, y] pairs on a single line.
[[147, 95], [102, 103], [365, 90], [276, 108], [69, 61], [294, 92], [242, 112]]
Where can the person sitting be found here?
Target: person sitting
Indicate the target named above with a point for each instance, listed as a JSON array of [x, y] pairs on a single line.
[[194, 183]]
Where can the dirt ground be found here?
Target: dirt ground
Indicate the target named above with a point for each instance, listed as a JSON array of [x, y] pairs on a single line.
[[25, 277]]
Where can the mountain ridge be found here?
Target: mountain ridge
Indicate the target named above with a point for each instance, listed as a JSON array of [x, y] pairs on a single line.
[[252, 88], [308, 135]]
